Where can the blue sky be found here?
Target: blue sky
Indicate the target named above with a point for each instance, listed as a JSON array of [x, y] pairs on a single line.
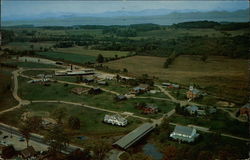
[[25, 8]]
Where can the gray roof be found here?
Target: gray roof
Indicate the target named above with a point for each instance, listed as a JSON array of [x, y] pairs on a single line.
[[246, 105], [134, 135], [192, 108], [183, 130]]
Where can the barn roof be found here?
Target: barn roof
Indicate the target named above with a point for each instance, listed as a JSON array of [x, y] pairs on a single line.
[[134, 135]]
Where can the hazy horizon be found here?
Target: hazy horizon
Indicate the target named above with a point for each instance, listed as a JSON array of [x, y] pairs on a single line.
[[38, 9]]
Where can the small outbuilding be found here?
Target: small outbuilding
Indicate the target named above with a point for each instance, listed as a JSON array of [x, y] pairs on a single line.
[[95, 91]]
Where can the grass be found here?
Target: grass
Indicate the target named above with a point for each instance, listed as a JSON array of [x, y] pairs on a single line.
[[69, 57], [205, 142], [21, 46], [220, 122], [222, 76], [57, 91], [91, 120], [83, 51], [6, 83], [32, 65]]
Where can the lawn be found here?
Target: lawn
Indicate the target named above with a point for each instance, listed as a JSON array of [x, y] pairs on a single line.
[[219, 75], [91, 120], [31, 65], [57, 91], [83, 51], [220, 122], [68, 57]]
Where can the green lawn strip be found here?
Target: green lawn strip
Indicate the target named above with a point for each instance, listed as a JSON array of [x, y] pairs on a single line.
[[89, 52], [114, 86], [69, 57], [219, 122], [32, 65]]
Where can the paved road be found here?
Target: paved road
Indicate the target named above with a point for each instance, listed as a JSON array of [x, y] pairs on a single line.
[[35, 138]]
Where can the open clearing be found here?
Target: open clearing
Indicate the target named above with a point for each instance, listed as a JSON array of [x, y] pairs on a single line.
[[91, 120], [221, 75]]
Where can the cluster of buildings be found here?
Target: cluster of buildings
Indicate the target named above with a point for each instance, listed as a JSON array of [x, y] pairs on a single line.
[[115, 120], [71, 72], [8, 152]]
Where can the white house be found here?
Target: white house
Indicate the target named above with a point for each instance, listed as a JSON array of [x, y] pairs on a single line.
[[115, 120], [182, 133]]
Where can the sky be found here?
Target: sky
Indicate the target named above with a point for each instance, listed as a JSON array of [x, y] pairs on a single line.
[[21, 8]]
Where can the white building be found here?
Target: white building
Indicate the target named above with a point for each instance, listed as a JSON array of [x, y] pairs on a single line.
[[183, 133], [115, 120]]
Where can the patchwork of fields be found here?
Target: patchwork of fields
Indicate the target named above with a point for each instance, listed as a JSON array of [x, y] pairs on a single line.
[[224, 76]]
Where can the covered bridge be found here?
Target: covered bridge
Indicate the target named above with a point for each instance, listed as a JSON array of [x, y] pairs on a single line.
[[131, 138]]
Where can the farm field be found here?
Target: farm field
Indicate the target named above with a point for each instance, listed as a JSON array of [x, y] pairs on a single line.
[[222, 76], [69, 57], [21, 46], [83, 51]]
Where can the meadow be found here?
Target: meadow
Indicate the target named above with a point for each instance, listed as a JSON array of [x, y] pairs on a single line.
[[68, 57], [89, 52], [221, 76]]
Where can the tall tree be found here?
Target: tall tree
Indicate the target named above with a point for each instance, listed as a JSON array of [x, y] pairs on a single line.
[[100, 58], [99, 147], [57, 139], [25, 130], [74, 122], [59, 113], [31, 124]]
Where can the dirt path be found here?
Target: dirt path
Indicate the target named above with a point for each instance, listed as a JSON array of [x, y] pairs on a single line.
[[232, 115], [15, 94], [88, 106]]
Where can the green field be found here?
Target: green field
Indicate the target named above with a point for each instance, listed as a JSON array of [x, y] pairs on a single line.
[[91, 120], [68, 57], [57, 91], [31, 65], [220, 122], [83, 51], [21, 46]]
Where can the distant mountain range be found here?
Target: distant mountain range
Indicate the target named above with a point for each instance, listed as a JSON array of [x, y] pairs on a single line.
[[159, 16]]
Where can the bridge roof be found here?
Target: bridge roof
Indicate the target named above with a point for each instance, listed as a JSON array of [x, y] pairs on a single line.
[[134, 135]]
